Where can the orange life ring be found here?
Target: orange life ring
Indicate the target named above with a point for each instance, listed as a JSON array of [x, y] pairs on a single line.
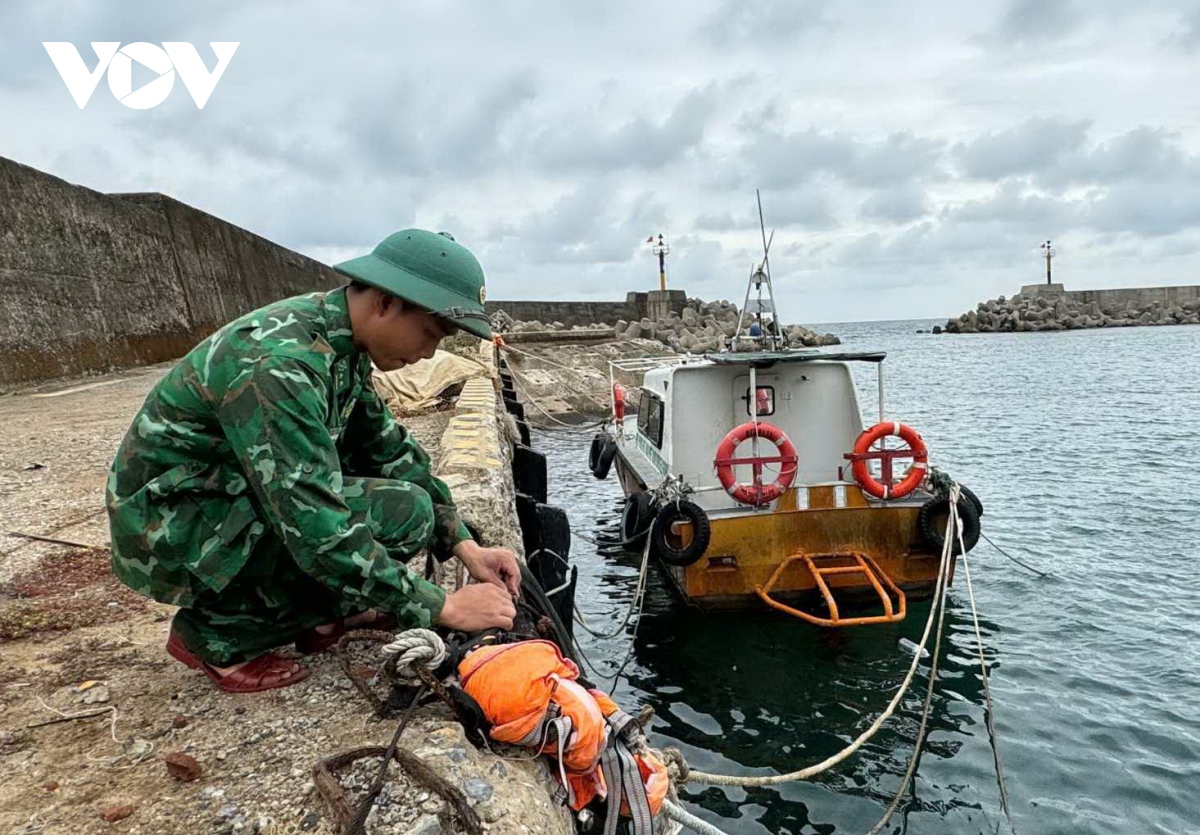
[[862, 454], [756, 493]]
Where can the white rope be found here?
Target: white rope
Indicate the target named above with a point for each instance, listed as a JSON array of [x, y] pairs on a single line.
[[953, 536], [132, 754], [829, 762], [416, 646], [538, 406], [953, 525], [506, 347], [525, 391], [682, 816], [987, 694], [635, 604]]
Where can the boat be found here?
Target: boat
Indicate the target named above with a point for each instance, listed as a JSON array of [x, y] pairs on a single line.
[[749, 475]]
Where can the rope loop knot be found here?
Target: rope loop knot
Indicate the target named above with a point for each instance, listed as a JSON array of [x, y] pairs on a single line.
[[676, 763]]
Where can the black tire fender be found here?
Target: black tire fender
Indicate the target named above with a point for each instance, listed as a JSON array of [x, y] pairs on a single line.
[[680, 510], [530, 475], [601, 455], [594, 450], [930, 520], [972, 498], [637, 517]]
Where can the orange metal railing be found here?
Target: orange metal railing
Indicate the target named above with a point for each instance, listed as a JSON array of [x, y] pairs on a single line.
[[861, 564]]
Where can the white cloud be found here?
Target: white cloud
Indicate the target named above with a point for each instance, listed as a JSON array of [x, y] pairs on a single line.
[[897, 146]]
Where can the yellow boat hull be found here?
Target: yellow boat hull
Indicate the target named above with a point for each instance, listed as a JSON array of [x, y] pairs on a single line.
[[746, 549]]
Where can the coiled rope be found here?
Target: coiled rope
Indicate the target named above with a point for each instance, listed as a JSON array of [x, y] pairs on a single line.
[[416, 646]]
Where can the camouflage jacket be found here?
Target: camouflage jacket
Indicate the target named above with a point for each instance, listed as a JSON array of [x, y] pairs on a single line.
[[242, 447]]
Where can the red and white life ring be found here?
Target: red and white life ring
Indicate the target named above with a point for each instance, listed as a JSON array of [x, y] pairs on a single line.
[[756, 493], [862, 454]]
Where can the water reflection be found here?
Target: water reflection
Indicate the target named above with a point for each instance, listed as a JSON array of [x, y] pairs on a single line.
[[759, 693]]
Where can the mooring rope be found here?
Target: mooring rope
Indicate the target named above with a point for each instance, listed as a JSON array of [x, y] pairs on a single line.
[[524, 390], [953, 526], [1014, 559], [504, 346], [677, 813], [954, 535], [635, 604], [987, 695], [520, 388], [813, 770]]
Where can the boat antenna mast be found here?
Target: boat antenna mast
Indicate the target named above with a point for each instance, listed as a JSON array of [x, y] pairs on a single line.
[[760, 277]]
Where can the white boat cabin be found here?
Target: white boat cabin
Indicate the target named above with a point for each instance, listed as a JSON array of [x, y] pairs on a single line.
[[686, 406]]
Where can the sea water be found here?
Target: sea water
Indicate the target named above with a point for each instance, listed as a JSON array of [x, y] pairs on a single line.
[[1083, 447]]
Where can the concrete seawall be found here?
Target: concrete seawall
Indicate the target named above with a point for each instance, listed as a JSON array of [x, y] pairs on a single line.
[[655, 304], [476, 463], [1139, 296], [93, 282]]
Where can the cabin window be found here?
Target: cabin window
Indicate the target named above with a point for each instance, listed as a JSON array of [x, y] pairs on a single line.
[[765, 398], [650, 418]]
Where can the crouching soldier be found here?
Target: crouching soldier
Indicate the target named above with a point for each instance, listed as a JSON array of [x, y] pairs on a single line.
[[266, 490]]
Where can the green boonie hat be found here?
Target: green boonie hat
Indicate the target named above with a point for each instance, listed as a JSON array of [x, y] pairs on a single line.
[[429, 269]]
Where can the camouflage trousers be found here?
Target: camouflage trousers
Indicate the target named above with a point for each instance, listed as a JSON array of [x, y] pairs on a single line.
[[271, 601]]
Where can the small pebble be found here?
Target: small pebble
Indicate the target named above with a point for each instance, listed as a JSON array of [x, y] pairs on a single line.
[[182, 767], [114, 812], [479, 791], [426, 825]]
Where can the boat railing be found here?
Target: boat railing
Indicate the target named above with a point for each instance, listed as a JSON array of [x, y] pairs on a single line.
[[643, 364], [637, 367]]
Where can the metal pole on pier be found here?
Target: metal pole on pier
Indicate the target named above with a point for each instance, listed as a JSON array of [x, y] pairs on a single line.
[[661, 249], [1049, 250]]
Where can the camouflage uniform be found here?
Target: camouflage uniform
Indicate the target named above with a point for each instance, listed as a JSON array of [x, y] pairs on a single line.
[[265, 488]]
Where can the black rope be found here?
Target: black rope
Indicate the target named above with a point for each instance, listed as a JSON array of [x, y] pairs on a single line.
[[1014, 559]]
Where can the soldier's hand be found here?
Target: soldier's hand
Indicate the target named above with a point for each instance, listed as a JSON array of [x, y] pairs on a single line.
[[491, 565], [478, 606]]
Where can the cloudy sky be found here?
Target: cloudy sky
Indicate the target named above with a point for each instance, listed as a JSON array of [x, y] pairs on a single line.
[[912, 156]]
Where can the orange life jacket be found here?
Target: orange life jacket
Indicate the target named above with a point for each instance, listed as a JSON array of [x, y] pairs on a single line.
[[530, 695]]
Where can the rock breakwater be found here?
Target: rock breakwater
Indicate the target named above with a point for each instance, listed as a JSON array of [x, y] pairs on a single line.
[[701, 327], [1032, 313]]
